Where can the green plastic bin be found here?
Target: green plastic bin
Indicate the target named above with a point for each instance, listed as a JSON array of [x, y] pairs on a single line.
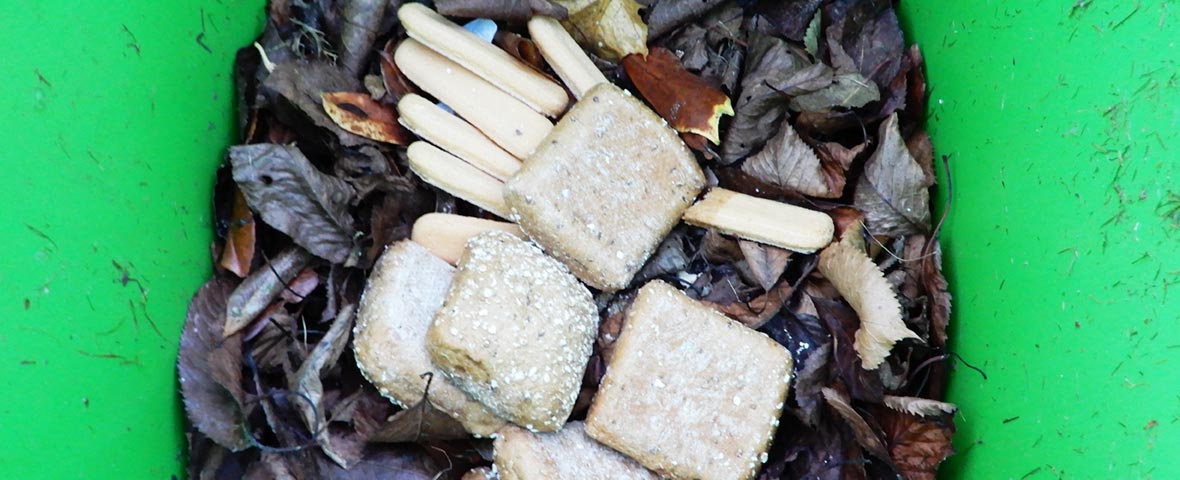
[[1060, 120]]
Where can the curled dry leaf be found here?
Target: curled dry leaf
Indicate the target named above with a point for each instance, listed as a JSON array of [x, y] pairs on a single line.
[[310, 386], [257, 292], [893, 192], [238, 254], [922, 407], [358, 113], [788, 162], [758, 311], [396, 84], [210, 368], [612, 29], [421, 422], [865, 435], [863, 285], [296, 87], [688, 103], [848, 90], [296, 199], [667, 15]]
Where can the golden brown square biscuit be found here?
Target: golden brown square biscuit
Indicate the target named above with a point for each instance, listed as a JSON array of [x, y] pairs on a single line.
[[567, 454], [605, 187], [688, 392], [406, 288], [515, 331]]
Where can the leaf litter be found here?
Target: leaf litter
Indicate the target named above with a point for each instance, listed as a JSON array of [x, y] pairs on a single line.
[[827, 107]]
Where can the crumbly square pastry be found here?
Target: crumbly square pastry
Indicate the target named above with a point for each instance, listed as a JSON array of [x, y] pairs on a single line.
[[690, 393], [567, 454], [515, 331], [604, 187], [406, 288]]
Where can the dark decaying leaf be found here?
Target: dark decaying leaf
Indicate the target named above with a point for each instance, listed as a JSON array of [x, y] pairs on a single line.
[[359, 24], [805, 336], [827, 452], [790, 163], [842, 323], [868, 33], [669, 258], [296, 199], [666, 15], [359, 114], [759, 107], [788, 19], [849, 90], [511, 11], [917, 444], [296, 89], [689, 104], [262, 287], [309, 385], [712, 47], [864, 434], [210, 368], [421, 422], [757, 311], [893, 192], [935, 285], [238, 254]]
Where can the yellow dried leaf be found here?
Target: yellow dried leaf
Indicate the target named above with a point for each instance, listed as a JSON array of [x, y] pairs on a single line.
[[612, 29], [358, 113], [863, 285]]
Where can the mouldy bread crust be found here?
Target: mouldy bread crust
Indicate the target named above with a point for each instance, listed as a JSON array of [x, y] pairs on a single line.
[[565, 455], [515, 331], [688, 392], [407, 286], [605, 187]]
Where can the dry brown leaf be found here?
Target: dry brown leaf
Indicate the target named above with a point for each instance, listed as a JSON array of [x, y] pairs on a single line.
[[688, 103], [865, 435], [261, 288], [893, 191], [788, 162], [863, 285], [238, 254], [767, 263], [922, 407], [612, 29], [396, 84], [358, 113]]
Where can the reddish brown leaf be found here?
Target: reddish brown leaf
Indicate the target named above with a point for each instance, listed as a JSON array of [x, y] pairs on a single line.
[[758, 311], [687, 102], [358, 113], [238, 254], [916, 444], [396, 84], [521, 48]]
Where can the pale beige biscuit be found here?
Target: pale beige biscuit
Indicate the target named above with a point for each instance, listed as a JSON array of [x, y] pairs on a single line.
[[564, 455], [688, 392], [481, 473], [605, 187], [515, 331], [406, 288]]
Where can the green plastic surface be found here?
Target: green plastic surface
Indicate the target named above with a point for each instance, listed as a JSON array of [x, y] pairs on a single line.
[[115, 116], [1061, 121]]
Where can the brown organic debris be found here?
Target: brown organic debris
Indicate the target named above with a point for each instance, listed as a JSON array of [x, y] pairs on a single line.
[[688, 103]]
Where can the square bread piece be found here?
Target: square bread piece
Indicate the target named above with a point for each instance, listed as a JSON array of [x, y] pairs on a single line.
[[564, 455], [406, 288], [605, 187], [690, 393], [515, 331]]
